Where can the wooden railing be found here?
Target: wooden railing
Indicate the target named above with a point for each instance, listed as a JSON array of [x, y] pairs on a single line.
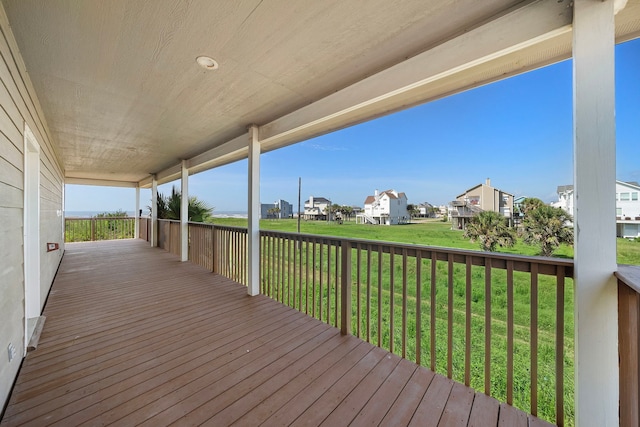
[[628, 342], [499, 323], [144, 231], [221, 249], [169, 235], [91, 229], [428, 305]]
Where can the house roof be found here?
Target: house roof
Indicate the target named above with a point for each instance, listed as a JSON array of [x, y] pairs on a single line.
[[390, 193], [123, 98], [480, 185], [319, 200], [564, 188]]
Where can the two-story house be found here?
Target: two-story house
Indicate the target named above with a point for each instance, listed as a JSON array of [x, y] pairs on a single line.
[[627, 207], [316, 208], [386, 208], [482, 197]]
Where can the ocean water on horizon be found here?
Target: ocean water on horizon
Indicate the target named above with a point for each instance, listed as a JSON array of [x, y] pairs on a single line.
[[230, 214]]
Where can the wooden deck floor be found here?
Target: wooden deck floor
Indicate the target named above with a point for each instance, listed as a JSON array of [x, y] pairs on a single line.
[[135, 337]]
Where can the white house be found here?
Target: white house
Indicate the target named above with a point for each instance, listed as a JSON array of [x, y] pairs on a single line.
[[388, 207], [565, 198], [627, 206], [316, 208]]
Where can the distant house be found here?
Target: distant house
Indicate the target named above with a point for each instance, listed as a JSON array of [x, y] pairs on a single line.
[[316, 208], [565, 198], [517, 203], [426, 210], [482, 197], [280, 209], [627, 206], [387, 208]]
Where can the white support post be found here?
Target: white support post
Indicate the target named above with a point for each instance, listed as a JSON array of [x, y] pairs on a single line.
[[253, 285], [153, 239], [596, 308], [184, 213], [137, 213]]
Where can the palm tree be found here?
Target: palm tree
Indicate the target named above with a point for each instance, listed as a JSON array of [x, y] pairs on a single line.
[[413, 210], [546, 227], [490, 229], [169, 207]]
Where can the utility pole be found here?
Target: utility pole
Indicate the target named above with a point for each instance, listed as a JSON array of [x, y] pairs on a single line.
[[299, 188]]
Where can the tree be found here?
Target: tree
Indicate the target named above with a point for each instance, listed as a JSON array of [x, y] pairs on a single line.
[[413, 210], [273, 212], [546, 227], [490, 229], [169, 207], [346, 211], [530, 203]]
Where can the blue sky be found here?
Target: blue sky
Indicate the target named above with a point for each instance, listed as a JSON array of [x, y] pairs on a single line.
[[517, 131]]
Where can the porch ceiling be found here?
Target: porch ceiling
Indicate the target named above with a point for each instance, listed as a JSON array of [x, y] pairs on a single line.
[[124, 98]]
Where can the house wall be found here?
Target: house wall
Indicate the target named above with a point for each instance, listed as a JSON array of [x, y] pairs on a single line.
[[626, 206], [19, 105]]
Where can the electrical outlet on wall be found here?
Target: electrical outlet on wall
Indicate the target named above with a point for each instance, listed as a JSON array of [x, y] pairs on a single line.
[[11, 349]]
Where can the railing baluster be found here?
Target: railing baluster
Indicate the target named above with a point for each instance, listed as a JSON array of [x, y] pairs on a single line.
[[328, 282], [368, 293], [321, 271], [336, 290], [450, 316], [306, 277], [345, 289], [467, 347], [391, 295], [358, 267], [293, 279], [560, 347], [487, 327], [313, 280], [299, 250], [534, 339], [510, 332], [432, 337], [404, 303], [418, 306], [379, 296]]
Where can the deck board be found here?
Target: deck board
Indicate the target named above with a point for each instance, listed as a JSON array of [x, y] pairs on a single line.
[[135, 337]]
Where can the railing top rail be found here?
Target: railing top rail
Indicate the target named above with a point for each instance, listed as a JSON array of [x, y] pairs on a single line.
[[73, 218], [629, 275], [220, 227], [500, 258], [169, 220]]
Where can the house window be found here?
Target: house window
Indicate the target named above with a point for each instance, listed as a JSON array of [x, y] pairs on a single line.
[[617, 196], [634, 196], [618, 211], [624, 196]]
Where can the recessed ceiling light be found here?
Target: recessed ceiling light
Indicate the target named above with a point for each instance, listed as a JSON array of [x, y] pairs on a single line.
[[207, 63]]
